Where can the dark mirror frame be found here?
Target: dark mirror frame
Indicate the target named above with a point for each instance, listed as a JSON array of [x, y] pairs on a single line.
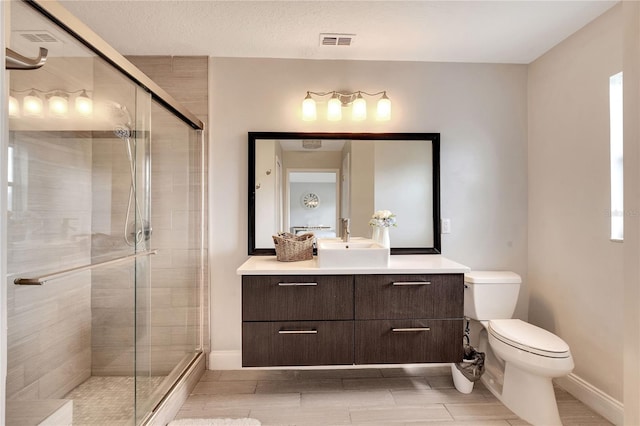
[[433, 137]]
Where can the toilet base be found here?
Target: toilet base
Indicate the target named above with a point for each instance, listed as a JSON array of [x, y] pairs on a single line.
[[531, 397]]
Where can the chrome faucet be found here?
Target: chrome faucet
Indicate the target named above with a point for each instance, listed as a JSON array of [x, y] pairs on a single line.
[[346, 230]]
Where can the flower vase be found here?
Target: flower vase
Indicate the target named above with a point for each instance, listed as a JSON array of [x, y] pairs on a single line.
[[384, 237], [375, 234]]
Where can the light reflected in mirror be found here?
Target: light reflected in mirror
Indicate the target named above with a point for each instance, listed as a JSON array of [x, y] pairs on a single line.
[[301, 182]]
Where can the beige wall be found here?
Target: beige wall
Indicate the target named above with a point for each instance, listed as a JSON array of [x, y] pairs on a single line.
[[479, 109], [575, 271], [631, 68]]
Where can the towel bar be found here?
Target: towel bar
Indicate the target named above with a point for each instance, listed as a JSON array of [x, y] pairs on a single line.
[[59, 274]]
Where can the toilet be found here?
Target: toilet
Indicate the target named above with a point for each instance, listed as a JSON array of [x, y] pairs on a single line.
[[521, 359]]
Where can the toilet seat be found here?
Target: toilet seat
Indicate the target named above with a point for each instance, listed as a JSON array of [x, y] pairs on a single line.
[[529, 338]]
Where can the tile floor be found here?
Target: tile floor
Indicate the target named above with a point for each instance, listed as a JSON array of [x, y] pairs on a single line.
[[108, 400], [389, 396]]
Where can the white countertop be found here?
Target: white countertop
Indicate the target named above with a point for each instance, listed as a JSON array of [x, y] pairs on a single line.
[[398, 264]]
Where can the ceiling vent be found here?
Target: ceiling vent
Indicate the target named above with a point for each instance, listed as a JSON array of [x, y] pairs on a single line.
[[331, 39], [311, 144], [41, 36]]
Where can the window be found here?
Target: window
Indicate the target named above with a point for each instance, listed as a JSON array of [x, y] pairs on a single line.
[[617, 175], [10, 175]]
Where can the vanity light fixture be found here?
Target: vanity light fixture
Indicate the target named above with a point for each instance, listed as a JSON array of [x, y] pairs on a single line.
[[58, 105], [334, 108], [32, 105], [359, 108], [309, 108], [14, 107], [57, 101], [84, 104], [340, 100]]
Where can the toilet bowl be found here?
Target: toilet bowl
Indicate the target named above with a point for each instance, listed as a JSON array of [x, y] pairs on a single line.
[[521, 359]]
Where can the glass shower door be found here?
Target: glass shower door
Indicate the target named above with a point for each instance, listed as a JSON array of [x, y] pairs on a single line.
[[170, 296], [77, 230], [106, 235]]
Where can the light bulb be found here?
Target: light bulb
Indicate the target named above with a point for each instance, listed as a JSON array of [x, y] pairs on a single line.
[[384, 108], [334, 108], [359, 109], [32, 105], [84, 104], [14, 107], [58, 105], [309, 108]]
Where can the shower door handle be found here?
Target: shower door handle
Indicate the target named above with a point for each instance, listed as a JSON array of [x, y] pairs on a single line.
[[15, 61]]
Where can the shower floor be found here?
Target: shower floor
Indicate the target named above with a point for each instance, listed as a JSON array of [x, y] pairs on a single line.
[[108, 400]]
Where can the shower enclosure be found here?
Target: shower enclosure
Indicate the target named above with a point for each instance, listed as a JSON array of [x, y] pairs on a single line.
[[106, 179]]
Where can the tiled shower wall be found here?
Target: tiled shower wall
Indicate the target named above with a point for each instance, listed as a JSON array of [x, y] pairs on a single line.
[[185, 78], [49, 335], [49, 229]]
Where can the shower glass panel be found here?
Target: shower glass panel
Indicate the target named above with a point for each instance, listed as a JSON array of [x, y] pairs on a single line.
[[111, 193], [168, 304]]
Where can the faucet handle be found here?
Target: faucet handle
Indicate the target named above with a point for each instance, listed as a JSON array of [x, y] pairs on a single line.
[[346, 232]]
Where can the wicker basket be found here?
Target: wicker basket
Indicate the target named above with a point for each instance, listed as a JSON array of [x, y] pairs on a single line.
[[292, 248]]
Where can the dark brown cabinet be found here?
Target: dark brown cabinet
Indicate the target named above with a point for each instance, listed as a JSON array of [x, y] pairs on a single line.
[[351, 319], [297, 343], [297, 298], [409, 296], [408, 341]]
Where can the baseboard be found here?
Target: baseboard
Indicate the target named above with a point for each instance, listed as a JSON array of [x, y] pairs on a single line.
[[603, 404], [225, 360]]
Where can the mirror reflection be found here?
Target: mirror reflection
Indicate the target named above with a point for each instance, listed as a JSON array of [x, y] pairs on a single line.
[[304, 182]]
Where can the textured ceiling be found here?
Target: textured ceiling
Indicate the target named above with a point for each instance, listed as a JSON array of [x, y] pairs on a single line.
[[451, 31]]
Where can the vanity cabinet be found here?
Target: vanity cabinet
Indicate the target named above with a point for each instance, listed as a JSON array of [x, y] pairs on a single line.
[[351, 319], [408, 318], [297, 320]]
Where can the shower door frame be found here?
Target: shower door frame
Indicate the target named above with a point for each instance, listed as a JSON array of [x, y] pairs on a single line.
[[4, 140]]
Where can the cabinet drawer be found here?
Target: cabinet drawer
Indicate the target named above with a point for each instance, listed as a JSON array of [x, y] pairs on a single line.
[[409, 296], [297, 298], [297, 343], [408, 341]]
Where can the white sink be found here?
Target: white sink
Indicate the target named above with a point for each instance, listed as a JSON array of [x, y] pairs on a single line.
[[357, 253]]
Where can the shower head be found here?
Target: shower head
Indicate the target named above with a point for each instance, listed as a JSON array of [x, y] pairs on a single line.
[[118, 113], [122, 131]]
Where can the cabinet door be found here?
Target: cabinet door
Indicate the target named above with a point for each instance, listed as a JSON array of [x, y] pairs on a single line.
[[408, 341], [297, 297], [297, 343], [409, 296]]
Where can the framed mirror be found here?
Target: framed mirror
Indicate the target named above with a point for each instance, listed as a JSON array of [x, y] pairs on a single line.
[[306, 182]]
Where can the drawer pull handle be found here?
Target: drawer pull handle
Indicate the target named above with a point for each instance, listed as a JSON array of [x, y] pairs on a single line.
[[412, 329], [298, 332], [297, 284], [403, 283]]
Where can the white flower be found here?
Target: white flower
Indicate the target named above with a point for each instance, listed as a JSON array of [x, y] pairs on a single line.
[[383, 219]]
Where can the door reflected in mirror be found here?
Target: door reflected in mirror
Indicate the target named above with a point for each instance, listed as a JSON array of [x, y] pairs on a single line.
[[313, 202], [306, 182]]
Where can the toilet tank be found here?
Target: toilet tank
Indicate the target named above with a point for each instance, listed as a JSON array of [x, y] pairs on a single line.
[[490, 294]]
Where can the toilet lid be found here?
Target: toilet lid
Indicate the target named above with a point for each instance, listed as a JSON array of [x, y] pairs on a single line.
[[528, 337]]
